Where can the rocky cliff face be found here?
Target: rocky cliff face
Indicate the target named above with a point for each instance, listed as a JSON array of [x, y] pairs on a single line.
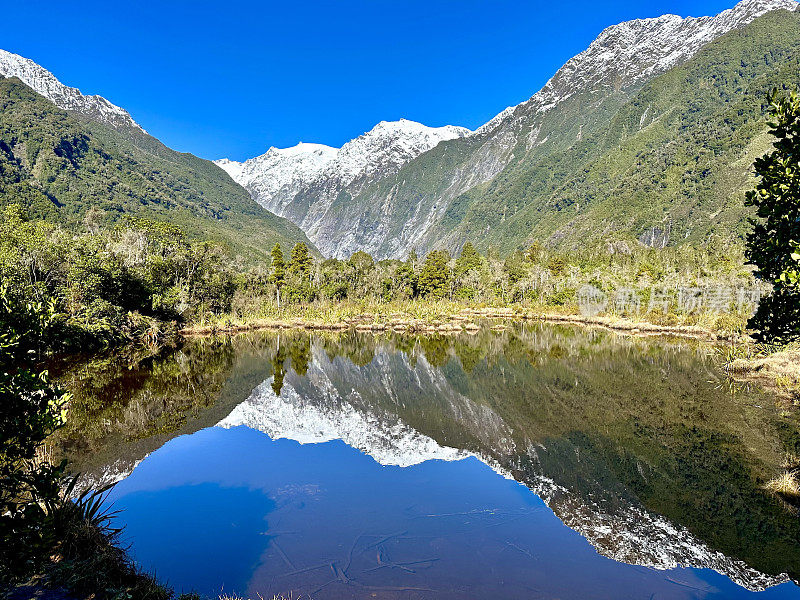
[[45, 83], [413, 198], [311, 183]]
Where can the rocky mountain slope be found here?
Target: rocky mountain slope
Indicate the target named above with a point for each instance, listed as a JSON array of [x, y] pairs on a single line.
[[310, 183], [670, 166], [62, 153], [442, 196]]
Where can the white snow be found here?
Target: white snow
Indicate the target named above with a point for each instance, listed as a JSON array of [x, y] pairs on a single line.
[[635, 50], [279, 172], [277, 176], [45, 83]]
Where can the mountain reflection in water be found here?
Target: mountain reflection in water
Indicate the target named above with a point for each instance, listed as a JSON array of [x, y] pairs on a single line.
[[354, 465]]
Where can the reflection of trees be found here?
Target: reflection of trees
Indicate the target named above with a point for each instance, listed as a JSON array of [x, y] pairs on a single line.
[[436, 349], [278, 372], [300, 354], [617, 418], [613, 419], [358, 347], [294, 347], [114, 398], [470, 352]]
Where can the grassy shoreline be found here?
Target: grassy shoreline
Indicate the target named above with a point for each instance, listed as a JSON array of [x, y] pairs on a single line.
[[447, 317], [775, 369]]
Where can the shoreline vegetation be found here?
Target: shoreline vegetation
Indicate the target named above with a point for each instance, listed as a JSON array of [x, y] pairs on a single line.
[[774, 368], [457, 318]]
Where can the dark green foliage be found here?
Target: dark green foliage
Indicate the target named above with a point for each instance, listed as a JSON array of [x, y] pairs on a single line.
[[278, 368], [61, 167], [774, 244], [541, 275], [277, 274], [70, 544], [31, 410], [468, 260], [278, 267], [113, 286], [359, 269], [300, 354], [298, 287], [434, 278], [300, 262], [404, 281], [514, 266]]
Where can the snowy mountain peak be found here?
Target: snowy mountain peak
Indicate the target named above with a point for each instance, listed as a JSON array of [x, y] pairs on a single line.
[[304, 148], [291, 416], [45, 83], [633, 51], [406, 127], [276, 177], [279, 172], [387, 147]]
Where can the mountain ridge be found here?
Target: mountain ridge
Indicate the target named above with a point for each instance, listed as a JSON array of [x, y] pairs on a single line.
[[304, 182], [417, 206], [59, 163], [46, 84]]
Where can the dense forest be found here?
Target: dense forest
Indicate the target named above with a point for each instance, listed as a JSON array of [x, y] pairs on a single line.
[[60, 165]]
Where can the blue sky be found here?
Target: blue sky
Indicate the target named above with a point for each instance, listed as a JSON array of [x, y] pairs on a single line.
[[231, 79]]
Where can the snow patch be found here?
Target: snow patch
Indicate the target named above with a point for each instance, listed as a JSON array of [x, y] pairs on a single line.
[[43, 82]]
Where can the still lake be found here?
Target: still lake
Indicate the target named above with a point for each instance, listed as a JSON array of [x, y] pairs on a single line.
[[535, 462]]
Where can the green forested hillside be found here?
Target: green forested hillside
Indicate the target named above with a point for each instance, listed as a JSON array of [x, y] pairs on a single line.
[[671, 166], [58, 165]]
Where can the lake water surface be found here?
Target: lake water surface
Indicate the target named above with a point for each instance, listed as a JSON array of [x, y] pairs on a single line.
[[536, 462]]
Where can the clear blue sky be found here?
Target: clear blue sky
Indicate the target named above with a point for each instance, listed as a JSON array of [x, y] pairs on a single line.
[[233, 78]]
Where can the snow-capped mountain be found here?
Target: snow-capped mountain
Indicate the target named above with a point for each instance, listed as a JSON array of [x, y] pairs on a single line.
[[45, 83], [317, 420], [279, 178], [361, 201], [634, 51]]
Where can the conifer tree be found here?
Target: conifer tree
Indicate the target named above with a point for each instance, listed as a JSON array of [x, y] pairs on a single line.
[[434, 278], [468, 260], [300, 262], [277, 275]]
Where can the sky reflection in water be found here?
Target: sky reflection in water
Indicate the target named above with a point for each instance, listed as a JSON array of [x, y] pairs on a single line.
[[233, 509]]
